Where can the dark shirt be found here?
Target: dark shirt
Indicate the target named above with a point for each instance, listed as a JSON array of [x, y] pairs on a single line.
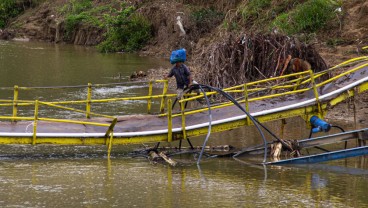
[[181, 74]]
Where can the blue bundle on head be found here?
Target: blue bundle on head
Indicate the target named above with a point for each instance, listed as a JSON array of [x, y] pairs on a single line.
[[178, 56]]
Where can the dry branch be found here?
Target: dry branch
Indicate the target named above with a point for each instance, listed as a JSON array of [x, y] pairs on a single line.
[[252, 57]]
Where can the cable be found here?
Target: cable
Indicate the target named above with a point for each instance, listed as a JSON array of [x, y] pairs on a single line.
[[229, 97], [209, 124]]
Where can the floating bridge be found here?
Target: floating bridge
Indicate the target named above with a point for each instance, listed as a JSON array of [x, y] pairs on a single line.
[[301, 94]]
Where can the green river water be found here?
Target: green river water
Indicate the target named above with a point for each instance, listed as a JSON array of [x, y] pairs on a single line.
[[82, 176]]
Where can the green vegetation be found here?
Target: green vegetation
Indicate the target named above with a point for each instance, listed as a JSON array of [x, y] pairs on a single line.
[[206, 18], [126, 31], [307, 17], [289, 17], [77, 12], [12, 8], [253, 9], [332, 42]]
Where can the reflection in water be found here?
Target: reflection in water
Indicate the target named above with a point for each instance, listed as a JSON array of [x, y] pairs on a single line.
[[318, 182], [133, 182]]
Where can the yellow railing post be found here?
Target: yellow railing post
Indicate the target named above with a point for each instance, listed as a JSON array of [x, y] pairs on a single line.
[[246, 98], [316, 93], [110, 132], [88, 102], [35, 123], [162, 106], [297, 84], [110, 144], [15, 104], [149, 101], [169, 120], [182, 106]]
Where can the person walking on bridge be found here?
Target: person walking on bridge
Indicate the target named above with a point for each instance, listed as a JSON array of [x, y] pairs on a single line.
[[183, 78], [180, 71]]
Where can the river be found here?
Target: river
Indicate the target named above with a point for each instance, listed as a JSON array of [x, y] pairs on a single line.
[[82, 176]]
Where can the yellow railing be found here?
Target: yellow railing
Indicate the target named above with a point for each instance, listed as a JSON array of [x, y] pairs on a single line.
[[279, 86]]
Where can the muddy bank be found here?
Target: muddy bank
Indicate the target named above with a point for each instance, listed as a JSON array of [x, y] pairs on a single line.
[[197, 26]]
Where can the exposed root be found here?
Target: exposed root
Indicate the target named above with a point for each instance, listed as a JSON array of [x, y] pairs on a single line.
[[251, 57]]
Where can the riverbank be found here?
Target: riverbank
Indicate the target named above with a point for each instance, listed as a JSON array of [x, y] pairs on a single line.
[[213, 32]]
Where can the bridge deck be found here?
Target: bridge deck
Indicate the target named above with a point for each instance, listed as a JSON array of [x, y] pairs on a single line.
[[146, 125]]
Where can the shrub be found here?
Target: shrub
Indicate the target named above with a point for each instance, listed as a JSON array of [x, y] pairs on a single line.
[[308, 17], [12, 8], [72, 20], [8, 9], [77, 12], [126, 32], [206, 19]]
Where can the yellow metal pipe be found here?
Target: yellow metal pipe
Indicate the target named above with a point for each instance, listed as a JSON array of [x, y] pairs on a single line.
[[73, 122], [279, 94], [111, 127], [169, 120], [238, 91], [246, 99], [35, 123], [266, 80], [18, 101], [149, 101], [297, 84], [351, 61], [76, 110], [183, 125], [15, 105], [16, 118], [161, 80], [88, 103], [250, 100], [162, 106], [19, 104], [316, 94], [342, 74], [110, 145]]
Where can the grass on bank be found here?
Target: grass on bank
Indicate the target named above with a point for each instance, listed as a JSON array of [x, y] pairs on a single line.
[[12, 8], [288, 17], [125, 30], [308, 17]]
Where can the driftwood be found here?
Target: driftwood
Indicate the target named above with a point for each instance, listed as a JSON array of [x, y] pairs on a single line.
[[153, 156], [251, 57], [276, 149], [167, 159]]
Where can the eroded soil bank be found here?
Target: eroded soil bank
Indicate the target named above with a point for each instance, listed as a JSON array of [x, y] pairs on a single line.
[[206, 30]]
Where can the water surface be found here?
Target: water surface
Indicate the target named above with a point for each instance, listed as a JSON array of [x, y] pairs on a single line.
[[68, 176]]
